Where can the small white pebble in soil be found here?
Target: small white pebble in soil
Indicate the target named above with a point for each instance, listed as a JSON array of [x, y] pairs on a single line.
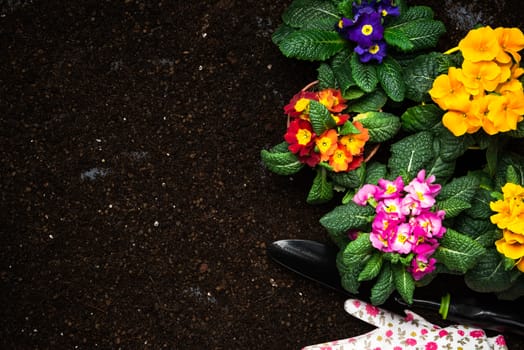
[[156, 223]]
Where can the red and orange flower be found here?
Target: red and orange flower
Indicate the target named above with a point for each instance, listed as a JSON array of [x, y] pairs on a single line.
[[340, 152]]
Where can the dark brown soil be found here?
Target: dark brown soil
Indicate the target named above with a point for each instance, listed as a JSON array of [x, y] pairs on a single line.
[[135, 208]]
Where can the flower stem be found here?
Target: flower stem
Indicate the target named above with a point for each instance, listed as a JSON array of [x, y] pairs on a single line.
[[450, 51]]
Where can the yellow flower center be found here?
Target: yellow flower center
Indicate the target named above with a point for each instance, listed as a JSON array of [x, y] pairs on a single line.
[[402, 238], [374, 49], [303, 136], [384, 13], [302, 105], [367, 29]]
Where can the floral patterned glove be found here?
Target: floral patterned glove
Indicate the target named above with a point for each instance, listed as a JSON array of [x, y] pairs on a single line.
[[411, 332]]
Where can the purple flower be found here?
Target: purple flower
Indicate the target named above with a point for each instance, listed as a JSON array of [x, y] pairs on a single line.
[[376, 51], [366, 29], [385, 8]]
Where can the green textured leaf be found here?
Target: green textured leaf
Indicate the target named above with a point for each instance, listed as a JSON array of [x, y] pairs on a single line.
[[415, 12], [281, 32], [374, 172], [350, 282], [463, 188], [365, 75], [421, 117], [317, 14], [312, 44], [390, 77], [457, 195], [420, 74], [471, 226], [423, 33], [342, 70], [353, 93], [326, 77], [506, 160], [358, 251], [372, 268], [404, 282], [322, 190], [348, 216], [453, 206], [381, 126], [452, 147], [441, 169], [513, 176], [384, 285], [397, 38], [480, 205], [350, 179], [281, 162], [372, 101], [348, 128], [489, 274], [321, 119], [411, 154], [458, 252]]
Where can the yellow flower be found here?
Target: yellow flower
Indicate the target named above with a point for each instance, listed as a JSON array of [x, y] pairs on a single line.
[[505, 111], [354, 143], [510, 209], [449, 92], [327, 144], [511, 245], [480, 44], [511, 40], [478, 76], [460, 122]]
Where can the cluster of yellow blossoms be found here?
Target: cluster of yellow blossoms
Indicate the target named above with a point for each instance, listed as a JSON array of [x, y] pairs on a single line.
[[510, 218], [485, 92]]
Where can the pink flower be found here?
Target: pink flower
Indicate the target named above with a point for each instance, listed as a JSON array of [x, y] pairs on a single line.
[[372, 310], [431, 223], [500, 341], [431, 346], [477, 333], [421, 266], [390, 189], [397, 348], [356, 303], [403, 239], [377, 348], [442, 333], [409, 317], [423, 190], [410, 206], [423, 331], [411, 341], [389, 333], [460, 332], [391, 206], [365, 194]]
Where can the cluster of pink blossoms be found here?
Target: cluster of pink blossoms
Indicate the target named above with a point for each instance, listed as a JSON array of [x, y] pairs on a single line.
[[404, 222]]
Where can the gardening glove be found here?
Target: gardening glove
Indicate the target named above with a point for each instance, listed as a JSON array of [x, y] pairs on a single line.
[[410, 332]]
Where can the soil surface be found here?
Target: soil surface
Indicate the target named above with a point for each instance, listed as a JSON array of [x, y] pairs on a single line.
[[135, 208]]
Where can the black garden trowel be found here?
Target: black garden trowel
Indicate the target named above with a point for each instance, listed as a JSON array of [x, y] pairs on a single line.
[[317, 261]]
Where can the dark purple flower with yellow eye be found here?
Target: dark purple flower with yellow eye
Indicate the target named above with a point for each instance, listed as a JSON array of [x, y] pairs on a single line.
[[366, 30], [376, 51], [386, 8], [343, 25]]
